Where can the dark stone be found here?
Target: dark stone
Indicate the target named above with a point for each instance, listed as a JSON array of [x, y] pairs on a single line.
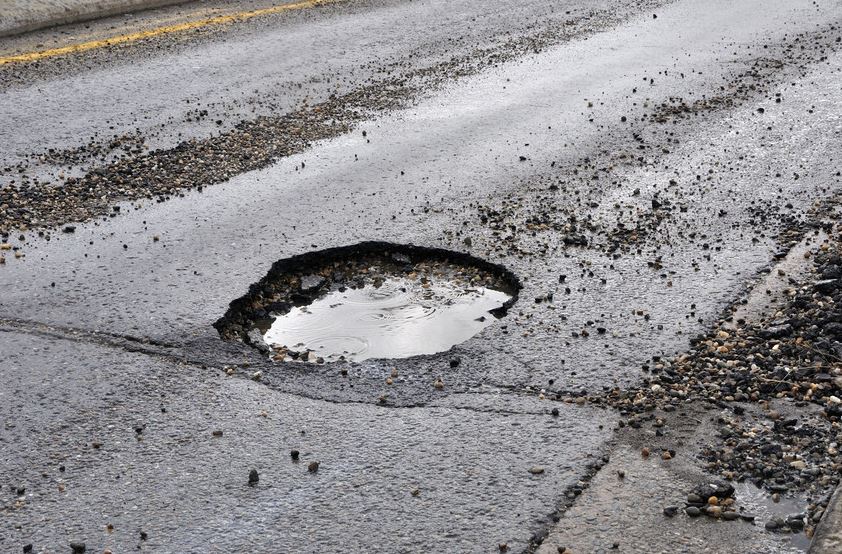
[[719, 489], [777, 331], [294, 455], [575, 239], [78, 547], [670, 511], [832, 271], [254, 477], [826, 285], [832, 329], [796, 522]]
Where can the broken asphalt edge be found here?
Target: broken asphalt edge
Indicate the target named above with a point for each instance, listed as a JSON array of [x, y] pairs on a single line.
[[828, 536]]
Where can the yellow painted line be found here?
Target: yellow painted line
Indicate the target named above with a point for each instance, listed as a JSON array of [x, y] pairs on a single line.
[[168, 29]]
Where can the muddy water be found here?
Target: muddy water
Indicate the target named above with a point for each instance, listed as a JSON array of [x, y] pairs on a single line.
[[398, 319]]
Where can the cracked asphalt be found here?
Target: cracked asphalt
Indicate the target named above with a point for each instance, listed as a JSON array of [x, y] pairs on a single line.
[[641, 162]]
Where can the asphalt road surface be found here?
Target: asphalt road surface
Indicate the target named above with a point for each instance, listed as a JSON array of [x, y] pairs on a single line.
[[639, 161]]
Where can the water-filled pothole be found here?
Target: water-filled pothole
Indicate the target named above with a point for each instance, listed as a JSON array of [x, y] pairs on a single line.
[[372, 300]]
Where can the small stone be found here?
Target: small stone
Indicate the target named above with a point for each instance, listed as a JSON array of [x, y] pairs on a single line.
[[254, 477], [455, 361], [294, 455], [796, 523], [217, 433], [415, 492], [313, 467], [670, 511], [645, 452], [439, 384], [144, 535], [554, 412], [621, 474], [665, 455], [693, 511], [503, 547], [536, 470], [27, 548], [713, 501], [78, 547], [730, 516], [826, 285], [71, 229]]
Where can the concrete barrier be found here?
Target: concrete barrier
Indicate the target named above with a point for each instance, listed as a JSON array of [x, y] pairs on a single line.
[[828, 537], [21, 16]]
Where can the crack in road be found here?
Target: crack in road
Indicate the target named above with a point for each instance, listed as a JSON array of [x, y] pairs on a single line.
[[147, 346]]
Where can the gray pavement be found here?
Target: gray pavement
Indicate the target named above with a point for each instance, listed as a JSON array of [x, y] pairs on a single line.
[[19, 16], [101, 328], [187, 489]]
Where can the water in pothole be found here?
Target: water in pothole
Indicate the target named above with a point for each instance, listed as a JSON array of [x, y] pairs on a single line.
[[397, 319], [759, 502]]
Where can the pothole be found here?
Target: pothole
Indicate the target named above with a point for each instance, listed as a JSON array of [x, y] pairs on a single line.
[[371, 300]]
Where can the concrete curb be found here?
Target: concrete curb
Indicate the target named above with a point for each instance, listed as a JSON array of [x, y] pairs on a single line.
[[21, 16], [828, 537]]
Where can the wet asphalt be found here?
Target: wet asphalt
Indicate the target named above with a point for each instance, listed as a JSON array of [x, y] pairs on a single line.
[[106, 330]]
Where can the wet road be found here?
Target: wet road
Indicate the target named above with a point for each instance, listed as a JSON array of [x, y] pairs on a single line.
[[705, 131]]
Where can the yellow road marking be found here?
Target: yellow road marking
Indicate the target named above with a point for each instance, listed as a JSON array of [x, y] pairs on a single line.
[[177, 28]]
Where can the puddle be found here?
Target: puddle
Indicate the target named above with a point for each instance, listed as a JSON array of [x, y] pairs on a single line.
[[397, 319], [371, 300], [758, 502]]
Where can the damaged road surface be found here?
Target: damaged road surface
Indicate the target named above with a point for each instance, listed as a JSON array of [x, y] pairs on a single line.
[[632, 205]]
